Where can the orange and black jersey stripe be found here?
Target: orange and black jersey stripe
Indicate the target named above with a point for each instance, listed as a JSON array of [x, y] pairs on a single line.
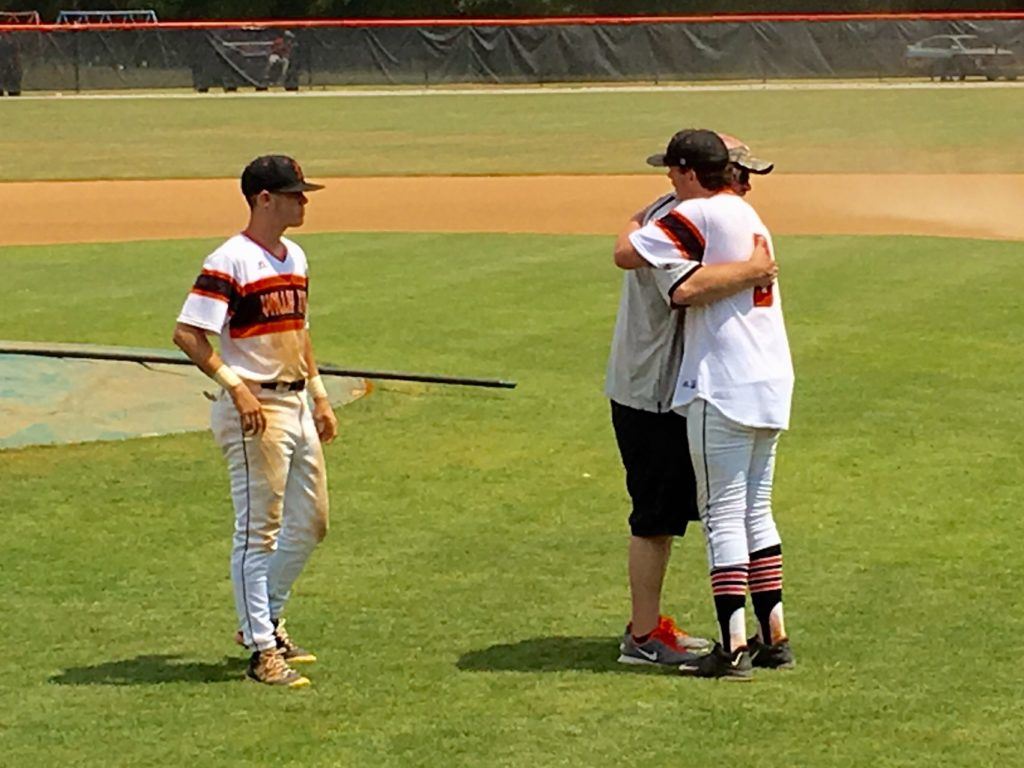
[[216, 285], [684, 234], [270, 305]]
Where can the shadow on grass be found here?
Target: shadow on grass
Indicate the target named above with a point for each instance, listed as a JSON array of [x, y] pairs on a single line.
[[153, 670], [549, 654]]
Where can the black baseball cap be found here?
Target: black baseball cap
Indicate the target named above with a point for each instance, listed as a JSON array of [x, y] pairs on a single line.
[[693, 147], [275, 173]]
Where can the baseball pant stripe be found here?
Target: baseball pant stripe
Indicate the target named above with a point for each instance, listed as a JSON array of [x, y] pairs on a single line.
[[248, 523], [722, 449], [705, 508]]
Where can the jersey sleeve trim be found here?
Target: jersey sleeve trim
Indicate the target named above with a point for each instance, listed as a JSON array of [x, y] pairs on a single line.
[[203, 325], [679, 282], [216, 285], [683, 233]]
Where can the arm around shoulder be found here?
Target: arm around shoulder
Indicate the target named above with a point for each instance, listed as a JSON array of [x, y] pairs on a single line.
[[718, 281]]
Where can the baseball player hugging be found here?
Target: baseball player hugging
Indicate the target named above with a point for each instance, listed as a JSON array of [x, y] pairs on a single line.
[[735, 386]]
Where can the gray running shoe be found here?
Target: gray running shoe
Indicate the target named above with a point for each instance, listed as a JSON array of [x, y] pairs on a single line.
[[719, 664], [681, 639], [655, 652], [269, 668], [776, 656]]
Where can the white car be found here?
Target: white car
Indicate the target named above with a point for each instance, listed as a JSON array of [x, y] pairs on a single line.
[[949, 57]]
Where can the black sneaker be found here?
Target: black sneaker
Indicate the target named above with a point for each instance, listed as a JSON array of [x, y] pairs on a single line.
[[655, 652], [776, 656], [719, 664]]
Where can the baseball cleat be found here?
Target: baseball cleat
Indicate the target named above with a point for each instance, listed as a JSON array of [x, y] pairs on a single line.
[[717, 663], [292, 653], [775, 656], [269, 668], [683, 640], [660, 649]]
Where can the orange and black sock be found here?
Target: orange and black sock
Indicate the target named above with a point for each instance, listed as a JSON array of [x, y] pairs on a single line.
[[729, 588], [766, 592]]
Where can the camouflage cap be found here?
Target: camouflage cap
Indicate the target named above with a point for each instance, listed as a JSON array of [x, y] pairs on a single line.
[[739, 154]]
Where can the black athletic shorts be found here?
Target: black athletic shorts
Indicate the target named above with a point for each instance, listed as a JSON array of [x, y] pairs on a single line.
[[659, 474]]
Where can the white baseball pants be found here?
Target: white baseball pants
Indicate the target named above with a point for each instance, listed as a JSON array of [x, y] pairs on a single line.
[[734, 465], [279, 491]]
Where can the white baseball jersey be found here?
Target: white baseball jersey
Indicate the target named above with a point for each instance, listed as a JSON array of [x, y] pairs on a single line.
[[257, 303], [735, 353]]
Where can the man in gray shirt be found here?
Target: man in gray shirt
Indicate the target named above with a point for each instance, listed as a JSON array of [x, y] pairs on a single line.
[[645, 356]]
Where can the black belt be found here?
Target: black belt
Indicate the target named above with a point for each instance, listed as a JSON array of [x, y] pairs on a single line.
[[284, 386]]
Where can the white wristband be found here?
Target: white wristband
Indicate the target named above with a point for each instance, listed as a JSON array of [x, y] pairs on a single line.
[[226, 377], [316, 387]]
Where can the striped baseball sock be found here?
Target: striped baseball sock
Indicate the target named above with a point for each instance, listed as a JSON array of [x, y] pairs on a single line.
[[766, 593], [729, 588]]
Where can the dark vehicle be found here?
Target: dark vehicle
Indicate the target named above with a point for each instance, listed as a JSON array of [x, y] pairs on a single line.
[[955, 57]]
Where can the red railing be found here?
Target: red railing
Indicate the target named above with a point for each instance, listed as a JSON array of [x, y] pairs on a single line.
[[519, 22]]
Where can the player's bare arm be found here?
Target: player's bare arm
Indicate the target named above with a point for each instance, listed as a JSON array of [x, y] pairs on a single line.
[[323, 414], [624, 250], [712, 283], [194, 343], [626, 256]]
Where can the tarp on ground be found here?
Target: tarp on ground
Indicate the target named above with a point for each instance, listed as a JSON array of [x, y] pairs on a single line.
[[52, 400]]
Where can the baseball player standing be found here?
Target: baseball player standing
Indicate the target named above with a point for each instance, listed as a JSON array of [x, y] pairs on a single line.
[[642, 369], [252, 293], [735, 386]]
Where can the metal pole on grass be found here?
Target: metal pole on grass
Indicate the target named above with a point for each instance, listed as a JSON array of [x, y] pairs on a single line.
[[171, 358]]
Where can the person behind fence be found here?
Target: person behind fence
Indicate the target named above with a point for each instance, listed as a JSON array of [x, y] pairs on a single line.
[[279, 58], [252, 293]]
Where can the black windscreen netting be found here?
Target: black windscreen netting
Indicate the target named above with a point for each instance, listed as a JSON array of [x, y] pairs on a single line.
[[310, 56]]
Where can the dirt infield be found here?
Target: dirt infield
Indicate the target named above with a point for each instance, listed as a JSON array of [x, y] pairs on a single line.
[[985, 206]]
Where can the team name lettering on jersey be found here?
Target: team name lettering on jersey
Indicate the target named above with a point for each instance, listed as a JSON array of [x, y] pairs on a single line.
[[269, 306], [261, 319], [283, 303]]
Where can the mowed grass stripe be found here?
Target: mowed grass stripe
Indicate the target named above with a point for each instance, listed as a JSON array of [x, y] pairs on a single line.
[[467, 602], [956, 130]]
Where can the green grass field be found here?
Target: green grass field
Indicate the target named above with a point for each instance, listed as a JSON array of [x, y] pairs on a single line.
[[954, 130], [467, 603]]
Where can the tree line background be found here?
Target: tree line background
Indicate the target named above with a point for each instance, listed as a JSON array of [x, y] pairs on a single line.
[[170, 10]]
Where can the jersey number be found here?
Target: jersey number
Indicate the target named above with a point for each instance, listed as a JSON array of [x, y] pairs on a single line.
[[763, 297]]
